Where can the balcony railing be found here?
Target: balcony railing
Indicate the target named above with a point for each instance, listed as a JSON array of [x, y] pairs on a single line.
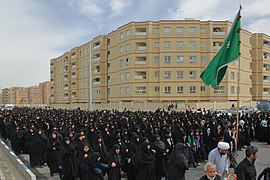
[[96, 83], [219, 33], [140, 77], [97, 46], [217, 48], [140, 33], [96, 58], [140, 62], [141, 48], [265, 92]]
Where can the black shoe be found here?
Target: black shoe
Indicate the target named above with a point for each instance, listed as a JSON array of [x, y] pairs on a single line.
[[51, 174]]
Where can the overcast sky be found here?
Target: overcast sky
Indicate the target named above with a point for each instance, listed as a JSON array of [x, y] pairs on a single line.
[[34, 31]]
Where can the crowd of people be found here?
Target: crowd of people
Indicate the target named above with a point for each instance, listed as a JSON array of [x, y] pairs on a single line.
[[81, 144]]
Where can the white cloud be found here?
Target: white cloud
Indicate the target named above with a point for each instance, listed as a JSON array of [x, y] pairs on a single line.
[[117, 6], [257, 8], [260, 26], [195, 8], [89, 8]]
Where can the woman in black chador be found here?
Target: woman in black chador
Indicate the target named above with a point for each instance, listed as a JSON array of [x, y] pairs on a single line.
[[100, 147], [178, 163], [68, 160], [114, 160], [16, 139], [160, 155], [37, 149], [84, 162], [53, 153], [144, 162], [96, 168]]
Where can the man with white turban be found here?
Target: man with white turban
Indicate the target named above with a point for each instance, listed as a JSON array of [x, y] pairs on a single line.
[[218, 156]]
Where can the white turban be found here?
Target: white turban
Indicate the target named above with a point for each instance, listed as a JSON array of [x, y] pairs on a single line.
[[223, 145]]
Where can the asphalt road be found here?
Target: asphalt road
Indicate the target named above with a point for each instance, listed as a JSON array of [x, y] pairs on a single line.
[[194, 173]]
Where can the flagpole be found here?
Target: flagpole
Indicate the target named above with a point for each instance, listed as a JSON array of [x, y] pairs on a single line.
[[238, 89], [238, 101]]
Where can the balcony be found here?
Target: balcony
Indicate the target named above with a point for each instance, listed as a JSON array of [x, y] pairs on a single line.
[[265, 92], [217, 48], [141, 48], [140, 33], [266, 55], [217, 31], [140, 62], [140, 76], [266, 43], [96, 58], [96, 82]]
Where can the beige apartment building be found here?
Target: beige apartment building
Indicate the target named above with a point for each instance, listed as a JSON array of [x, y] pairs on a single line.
[[146, 65], [45, 92], [261, 66], [35, 96]]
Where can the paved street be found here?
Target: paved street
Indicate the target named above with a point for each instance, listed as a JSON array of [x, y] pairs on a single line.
[[194, 173], [7, 169]]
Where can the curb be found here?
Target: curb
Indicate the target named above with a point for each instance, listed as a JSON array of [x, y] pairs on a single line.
[[23, 169]]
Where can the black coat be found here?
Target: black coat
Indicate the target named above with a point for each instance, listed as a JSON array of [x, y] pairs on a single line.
[[115, 172], [69, 161], [177, 164]]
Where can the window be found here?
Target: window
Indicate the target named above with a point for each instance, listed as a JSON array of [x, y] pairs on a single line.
[[121, 49], [127, 75], [121, 36], [167, 59], [203, 30], [167, 74], [127, 47], [192, 59], [203, 59], [192, 89], [96, 92], [180, 89], [232, 89], [202, 88], [192, 45], [179, 44], [232, 75], [179, 30], [140, 89], [180, 74], [127, 90], [157, 58], [167, 89], [203, 44], [167, 30], [156, 73], [121, 90], [156, 30], [127, 61], [156, 44], [192, 74], [192, 30], [127, 33], [156, 88], [121, 76], [167, 45], [180, 59], [121, 62], [219, 90]]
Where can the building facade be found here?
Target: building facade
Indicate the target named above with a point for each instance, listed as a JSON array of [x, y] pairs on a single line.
[[45, 92], [155, 63]]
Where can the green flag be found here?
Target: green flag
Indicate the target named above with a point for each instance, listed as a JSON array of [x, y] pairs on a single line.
[[216, 69]]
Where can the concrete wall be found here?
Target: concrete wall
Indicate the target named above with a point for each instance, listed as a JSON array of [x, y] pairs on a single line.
[[23, 169], [152, 106]]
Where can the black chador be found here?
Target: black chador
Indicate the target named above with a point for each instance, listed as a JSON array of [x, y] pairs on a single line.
[[114, 160], [68, 160], [177, 164], [144, 163], [53, 153]]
